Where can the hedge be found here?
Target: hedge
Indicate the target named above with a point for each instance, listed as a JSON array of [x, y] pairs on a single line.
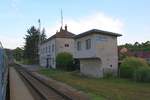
[[130, 65], [142, 74]]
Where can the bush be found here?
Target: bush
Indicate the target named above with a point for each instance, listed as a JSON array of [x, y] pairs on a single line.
[[130, 65], [64, 61], [142, 74], [108, 75]]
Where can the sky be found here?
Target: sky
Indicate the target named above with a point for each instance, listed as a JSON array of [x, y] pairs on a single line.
[[131, 18]]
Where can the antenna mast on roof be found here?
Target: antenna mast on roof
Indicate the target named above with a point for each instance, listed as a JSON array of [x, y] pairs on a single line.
[[61, 18], [39, 31], [39, 21]]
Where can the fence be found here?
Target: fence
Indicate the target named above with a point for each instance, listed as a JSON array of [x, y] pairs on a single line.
[[3, 73]]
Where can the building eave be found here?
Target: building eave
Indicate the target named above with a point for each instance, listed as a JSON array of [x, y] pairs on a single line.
[[96, 31]]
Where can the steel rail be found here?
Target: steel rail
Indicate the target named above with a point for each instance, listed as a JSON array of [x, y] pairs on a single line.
[[36, 83]]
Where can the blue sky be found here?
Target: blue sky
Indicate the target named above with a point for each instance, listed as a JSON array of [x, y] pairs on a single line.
[[129, 17]]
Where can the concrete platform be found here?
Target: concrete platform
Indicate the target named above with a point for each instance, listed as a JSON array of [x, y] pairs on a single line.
[[18, 90]]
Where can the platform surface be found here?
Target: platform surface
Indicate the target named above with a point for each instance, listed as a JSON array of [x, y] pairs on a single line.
[[18, 90]]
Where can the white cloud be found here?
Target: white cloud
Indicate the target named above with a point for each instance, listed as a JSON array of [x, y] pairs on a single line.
[[14, 5], [11, 42], [94, 21]]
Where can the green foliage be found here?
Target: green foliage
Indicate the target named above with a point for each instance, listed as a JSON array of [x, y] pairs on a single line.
[[64, 61], [102, 89], [130, 65], [122, 56], [109, 75], [18, 54], [144, 46], [43, 35], [31, 44], [26, 62], [142, 74]]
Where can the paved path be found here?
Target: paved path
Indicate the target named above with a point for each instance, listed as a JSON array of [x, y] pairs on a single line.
[[18, 90]]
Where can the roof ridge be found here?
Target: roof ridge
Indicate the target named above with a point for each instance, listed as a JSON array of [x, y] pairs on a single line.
[[97, 31], [61, 34]]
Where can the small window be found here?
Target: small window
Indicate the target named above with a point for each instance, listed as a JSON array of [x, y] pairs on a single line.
[[88, 43], [46, 49], [49, 48], [66, 45], [79, 45], [53, 48]]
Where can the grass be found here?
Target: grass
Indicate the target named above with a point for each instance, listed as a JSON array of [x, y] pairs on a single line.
[[102, 89]]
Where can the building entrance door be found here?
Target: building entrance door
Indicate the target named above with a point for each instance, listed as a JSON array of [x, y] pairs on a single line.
[[47, 63]]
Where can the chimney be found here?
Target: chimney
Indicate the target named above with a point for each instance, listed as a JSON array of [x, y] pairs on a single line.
[[61, 29], [65, 27], [56, 31]]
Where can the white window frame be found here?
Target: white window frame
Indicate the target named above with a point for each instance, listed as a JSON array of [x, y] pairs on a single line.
[[79, 45], [53, 47], [88, 44]]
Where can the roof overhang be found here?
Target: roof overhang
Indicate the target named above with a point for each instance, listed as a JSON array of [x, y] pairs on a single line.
[[96, 31]]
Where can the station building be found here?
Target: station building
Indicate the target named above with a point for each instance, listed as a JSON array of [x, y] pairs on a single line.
[[62, 41], [95, 49], [97, 52]]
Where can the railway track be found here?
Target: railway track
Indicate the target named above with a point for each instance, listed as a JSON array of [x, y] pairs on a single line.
[[39, 89]]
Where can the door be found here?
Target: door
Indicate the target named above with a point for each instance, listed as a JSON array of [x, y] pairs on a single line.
[[47, 63]]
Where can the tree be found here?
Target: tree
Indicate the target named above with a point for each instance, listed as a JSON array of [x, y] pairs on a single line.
[[43, 35], [136, 44], [31, 45], [18, 54], [144, 46]]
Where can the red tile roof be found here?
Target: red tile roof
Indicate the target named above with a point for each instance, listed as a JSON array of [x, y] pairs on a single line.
[[61, 34], [142, 54]]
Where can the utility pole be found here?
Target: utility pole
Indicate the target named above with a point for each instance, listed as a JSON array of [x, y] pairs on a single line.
[[61, 18], [39, 41], [39, 31]]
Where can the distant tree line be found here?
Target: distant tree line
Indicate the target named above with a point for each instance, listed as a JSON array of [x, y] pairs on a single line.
[[18, 54], [144, 46], [29, 53]]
